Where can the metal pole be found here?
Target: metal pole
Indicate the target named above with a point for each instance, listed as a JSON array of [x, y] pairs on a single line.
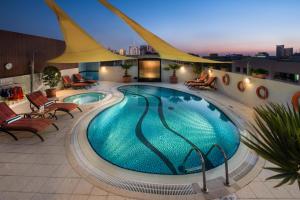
[[204, 188], [225, 161], [32, 73]]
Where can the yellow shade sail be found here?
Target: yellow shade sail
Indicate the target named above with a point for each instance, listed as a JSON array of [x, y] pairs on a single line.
[[80, 46], [165, 50]]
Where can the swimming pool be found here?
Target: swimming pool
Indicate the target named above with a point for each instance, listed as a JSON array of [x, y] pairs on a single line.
[[153, 128], [85, 98]]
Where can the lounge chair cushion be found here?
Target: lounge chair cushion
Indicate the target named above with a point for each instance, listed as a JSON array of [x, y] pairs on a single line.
[[5, 112], [13, 119], [80, 79], [32, 125], [62, 106], [37, 98]]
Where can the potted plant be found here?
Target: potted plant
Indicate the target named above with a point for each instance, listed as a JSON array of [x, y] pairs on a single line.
[[277, 139], [51, 77], [259, 73], [126, 77], [174, 67], [197, 70]]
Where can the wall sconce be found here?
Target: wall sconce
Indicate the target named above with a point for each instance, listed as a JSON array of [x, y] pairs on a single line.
[[247, 80], [210, 72], [8, 66], [182, 68], [103, 69]]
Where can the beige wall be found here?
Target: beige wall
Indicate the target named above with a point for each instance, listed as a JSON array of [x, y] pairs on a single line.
[[116, 73], [183, 74], [24, 81], [278, 91]]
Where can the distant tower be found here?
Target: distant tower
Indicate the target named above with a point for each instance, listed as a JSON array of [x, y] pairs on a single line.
[[280, 51], [143, 50], [134, 50], [288, 52], [122, 52]]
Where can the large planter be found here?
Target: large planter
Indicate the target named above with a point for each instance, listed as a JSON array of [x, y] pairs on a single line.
[[173, 79], [51, 92], [262, 76], [126, 79]]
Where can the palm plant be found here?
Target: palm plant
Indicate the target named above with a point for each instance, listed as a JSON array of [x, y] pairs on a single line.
[[278, 140], [197, 69], [173, 67], [126, 67]]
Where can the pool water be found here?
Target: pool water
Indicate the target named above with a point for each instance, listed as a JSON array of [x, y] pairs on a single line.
[[153, 128], [85, 98]]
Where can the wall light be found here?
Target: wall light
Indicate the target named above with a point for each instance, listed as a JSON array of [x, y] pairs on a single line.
[[210, 72], [247, 80], [182, 68], [103, 69]]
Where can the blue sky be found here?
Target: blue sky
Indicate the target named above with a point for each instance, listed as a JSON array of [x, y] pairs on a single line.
[[199, 26]]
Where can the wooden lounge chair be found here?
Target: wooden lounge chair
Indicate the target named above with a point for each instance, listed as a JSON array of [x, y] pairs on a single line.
[[69, 83], [37, 99], [10, 121], [201, 79], [79, 79], [210, 83]]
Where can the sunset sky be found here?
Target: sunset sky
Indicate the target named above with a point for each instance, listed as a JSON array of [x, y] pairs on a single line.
[[198, 26]]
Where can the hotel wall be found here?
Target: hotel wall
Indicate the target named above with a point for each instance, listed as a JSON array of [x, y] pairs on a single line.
[[279, 92], [24, 81], [115, 73], [108, 73], [18, 49]]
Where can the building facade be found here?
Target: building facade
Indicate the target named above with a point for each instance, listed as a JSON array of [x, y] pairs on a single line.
[[278, 69], [134, 50], [122, 52]]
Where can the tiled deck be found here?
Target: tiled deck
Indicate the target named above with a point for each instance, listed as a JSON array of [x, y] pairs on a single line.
[[32, 170]]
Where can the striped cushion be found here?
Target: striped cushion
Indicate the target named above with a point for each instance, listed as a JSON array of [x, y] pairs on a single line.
[[6, 112], [13, 119], [49, 103], [34, 125], [37, 99]]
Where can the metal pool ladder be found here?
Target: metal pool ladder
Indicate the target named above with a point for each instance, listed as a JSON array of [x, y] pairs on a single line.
[[203, 163]]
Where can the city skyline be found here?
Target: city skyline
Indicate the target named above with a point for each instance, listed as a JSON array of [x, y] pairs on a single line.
[[223, 27]]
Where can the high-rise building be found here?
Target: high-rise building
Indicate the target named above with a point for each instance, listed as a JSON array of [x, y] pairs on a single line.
[[146, 49], [134, 50], [143, 50], [122, 52], [288, 52], [280, 51]]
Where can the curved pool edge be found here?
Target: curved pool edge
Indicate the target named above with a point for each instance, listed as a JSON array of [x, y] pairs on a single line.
[[243, 166], [107, 94]]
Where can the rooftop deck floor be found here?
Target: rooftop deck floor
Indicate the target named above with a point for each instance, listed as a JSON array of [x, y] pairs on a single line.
[[34, 170]]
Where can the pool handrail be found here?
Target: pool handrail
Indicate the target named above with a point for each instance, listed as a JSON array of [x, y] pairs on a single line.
[[225, 161], [201, 155]]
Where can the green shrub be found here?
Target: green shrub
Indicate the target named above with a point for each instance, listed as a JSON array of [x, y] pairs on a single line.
[[51, 76]]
